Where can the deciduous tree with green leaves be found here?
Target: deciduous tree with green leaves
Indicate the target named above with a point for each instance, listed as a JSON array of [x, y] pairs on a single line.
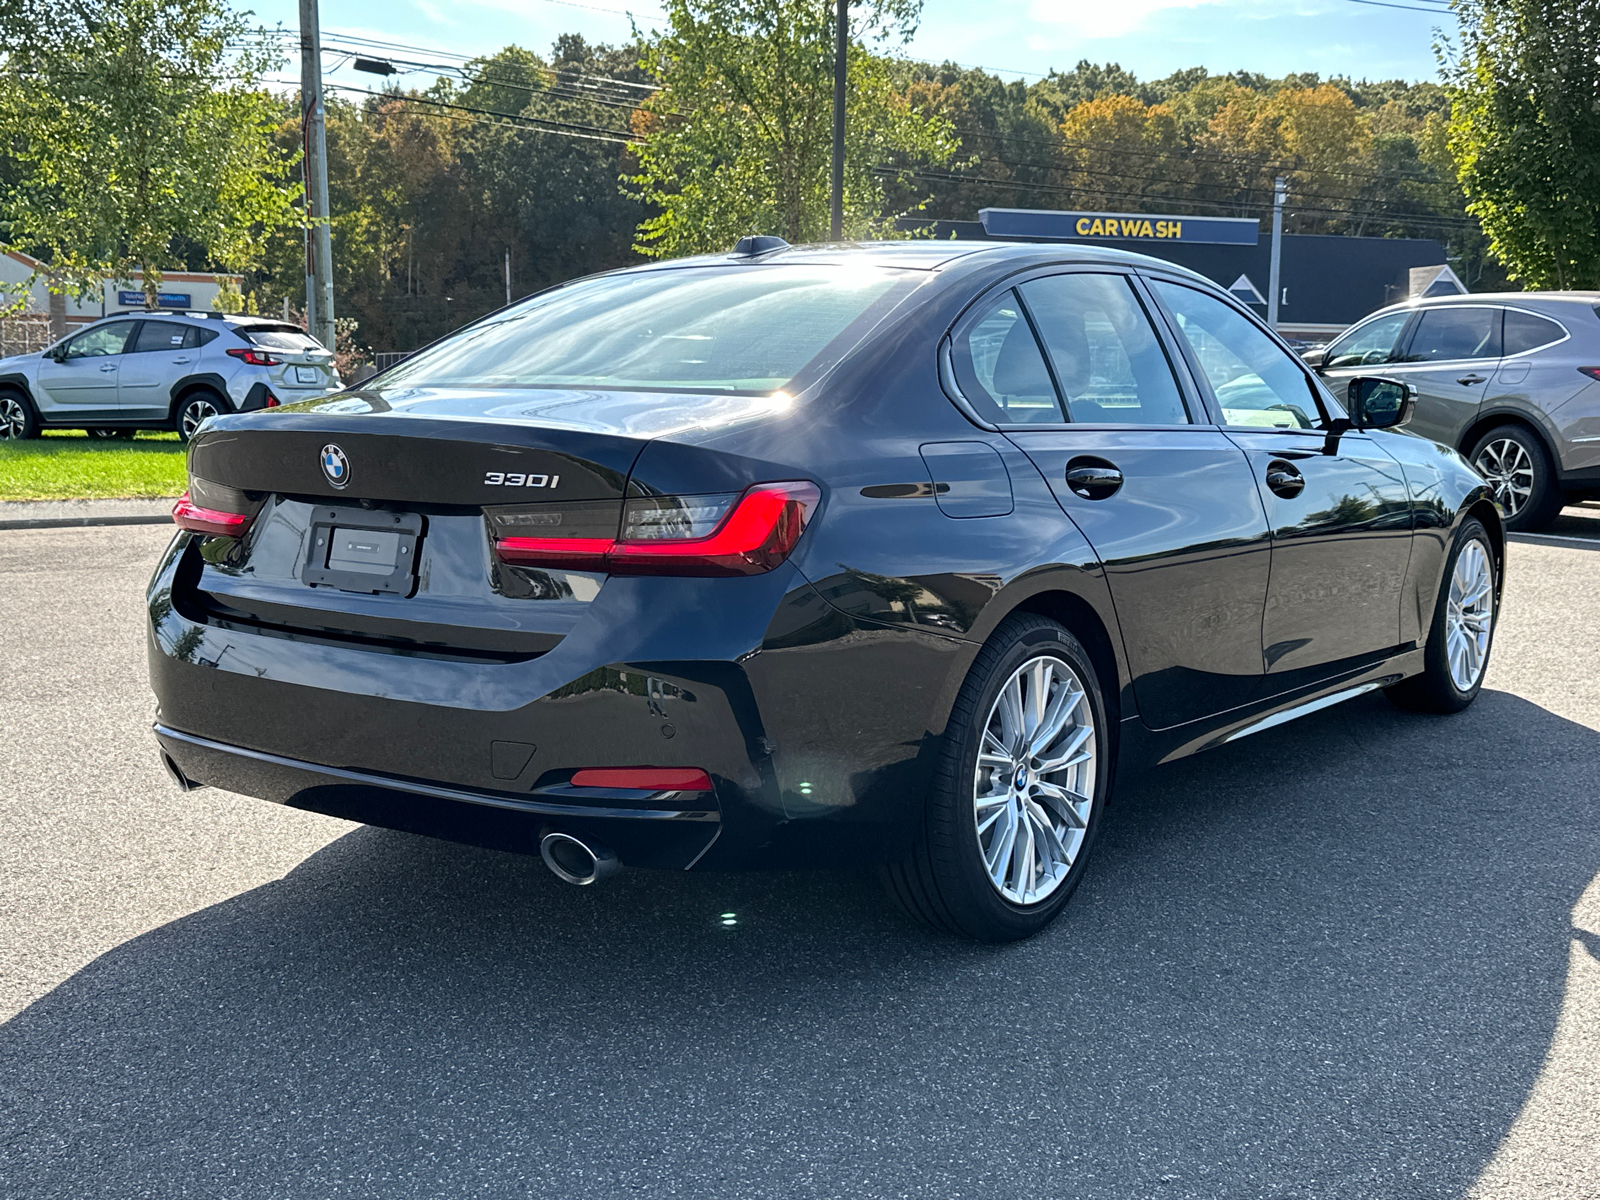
[[739, 138], [137, 142], [1525, 134]]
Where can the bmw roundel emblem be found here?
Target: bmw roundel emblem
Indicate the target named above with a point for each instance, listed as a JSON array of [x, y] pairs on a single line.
[[335, 465]]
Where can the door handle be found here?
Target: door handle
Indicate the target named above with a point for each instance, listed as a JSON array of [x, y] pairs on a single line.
[[1093, 478], [109, 367], [182, 359], [1284, 480], [1469, 380]]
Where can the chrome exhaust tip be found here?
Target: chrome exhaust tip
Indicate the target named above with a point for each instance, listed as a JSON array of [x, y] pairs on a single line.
[[185, 784], [577, 862]]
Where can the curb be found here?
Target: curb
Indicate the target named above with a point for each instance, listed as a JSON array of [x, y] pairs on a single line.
[[81, 522]]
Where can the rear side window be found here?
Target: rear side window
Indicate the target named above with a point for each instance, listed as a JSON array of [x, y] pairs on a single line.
[[1108, 363], [1524, 331], [1368, 345], [1452, 334], [998, 359], [278, 337], [158, 335], [198, 337]]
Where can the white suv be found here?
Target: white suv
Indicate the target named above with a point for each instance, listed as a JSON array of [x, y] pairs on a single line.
[[161, 371]]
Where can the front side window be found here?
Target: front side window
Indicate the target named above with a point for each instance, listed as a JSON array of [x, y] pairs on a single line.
[[722, 329], [1453, 334], [998, 360], [1107, 360], [100, 341], [1257, 383], [1524, 332], [1368, 344]]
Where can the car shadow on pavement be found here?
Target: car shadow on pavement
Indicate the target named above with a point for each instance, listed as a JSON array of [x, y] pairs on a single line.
[[1326, 961]]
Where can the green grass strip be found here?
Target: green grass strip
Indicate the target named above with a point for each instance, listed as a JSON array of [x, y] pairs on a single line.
[[69, 465]]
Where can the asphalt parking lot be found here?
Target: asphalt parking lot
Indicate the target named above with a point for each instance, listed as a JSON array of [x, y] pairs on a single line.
[[1355, 956]]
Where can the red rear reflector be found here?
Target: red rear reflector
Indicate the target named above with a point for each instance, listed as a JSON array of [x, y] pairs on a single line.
[[272, 401], [191, 516], [582, 554], [256, 358], [645, 779]]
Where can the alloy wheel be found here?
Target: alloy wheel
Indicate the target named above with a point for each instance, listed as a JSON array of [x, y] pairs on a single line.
[[1033, 789], [195, 413], [13, 418], [1508, 468], [1469, 615]]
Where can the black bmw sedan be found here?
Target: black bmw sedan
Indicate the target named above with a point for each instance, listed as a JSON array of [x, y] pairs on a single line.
[[890, 554]]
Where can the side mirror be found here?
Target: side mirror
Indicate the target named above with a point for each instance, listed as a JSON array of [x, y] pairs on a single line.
[[1314, 358], [1379, 403]]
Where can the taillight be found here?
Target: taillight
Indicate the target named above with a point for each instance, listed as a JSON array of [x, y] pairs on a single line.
[[191, 516], [646, 779], [1591, 372], [718, 535], [215, 509], [255, 358]]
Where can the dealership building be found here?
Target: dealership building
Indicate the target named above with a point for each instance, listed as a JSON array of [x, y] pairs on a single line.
[[1327, 282]]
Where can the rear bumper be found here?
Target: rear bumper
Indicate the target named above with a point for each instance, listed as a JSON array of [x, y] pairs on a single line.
[[672, 830]]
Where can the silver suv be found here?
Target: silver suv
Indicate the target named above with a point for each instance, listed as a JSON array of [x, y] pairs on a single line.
[[160, 371], [1512, 381]]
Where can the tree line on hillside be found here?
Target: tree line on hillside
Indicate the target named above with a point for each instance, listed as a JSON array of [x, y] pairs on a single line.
[[594, 156]]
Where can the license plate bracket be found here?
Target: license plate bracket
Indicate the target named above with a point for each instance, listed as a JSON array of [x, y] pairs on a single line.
[[307, 375], [354, 550]]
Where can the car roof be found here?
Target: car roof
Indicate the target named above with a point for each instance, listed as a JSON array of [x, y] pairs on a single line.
[[927, 254], [1587, 298]]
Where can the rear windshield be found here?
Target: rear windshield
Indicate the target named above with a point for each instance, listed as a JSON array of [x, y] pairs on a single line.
[[279, 337], [734, 329]]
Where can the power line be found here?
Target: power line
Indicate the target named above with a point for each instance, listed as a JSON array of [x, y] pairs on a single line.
[[597, 133]]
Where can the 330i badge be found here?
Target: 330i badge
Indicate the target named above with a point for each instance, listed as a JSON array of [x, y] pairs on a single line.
[[887, 554]]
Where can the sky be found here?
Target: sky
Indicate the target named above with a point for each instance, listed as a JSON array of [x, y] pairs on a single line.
[[1364, 39]]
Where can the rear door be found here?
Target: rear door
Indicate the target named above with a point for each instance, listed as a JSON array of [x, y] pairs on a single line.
[[157, 355], [1450, 356], [1338, 507], [83, 384], [1167, 502]]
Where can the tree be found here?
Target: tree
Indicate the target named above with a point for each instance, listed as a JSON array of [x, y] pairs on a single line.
[[1525, 134], [138, 138], [739, 137]]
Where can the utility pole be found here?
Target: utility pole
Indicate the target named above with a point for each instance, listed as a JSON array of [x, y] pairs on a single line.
[[319, 237], [508, 274], [1280, 193], [841, 62]]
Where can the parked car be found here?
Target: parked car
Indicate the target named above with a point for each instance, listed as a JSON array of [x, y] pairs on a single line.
[[160, 370], [894, 554], [1511, 381]]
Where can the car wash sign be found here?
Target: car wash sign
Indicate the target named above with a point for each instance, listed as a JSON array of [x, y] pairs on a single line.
[[1041, 225]]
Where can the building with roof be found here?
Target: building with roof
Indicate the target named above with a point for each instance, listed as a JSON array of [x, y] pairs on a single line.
[[180, 290], [1327, 281]]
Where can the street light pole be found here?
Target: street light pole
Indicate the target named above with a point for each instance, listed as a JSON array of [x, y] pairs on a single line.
[[841, 61], [1280, 192], [313, 122]]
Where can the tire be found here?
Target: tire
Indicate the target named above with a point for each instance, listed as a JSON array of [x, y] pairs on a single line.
[[100, 433], [195, 408], [1457, 654], [1514, 461], [945, 882], [18, 421]]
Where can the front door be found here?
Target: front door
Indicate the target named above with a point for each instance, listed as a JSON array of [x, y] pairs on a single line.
[[1338, 507], [82, 383], [1168, 504]]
